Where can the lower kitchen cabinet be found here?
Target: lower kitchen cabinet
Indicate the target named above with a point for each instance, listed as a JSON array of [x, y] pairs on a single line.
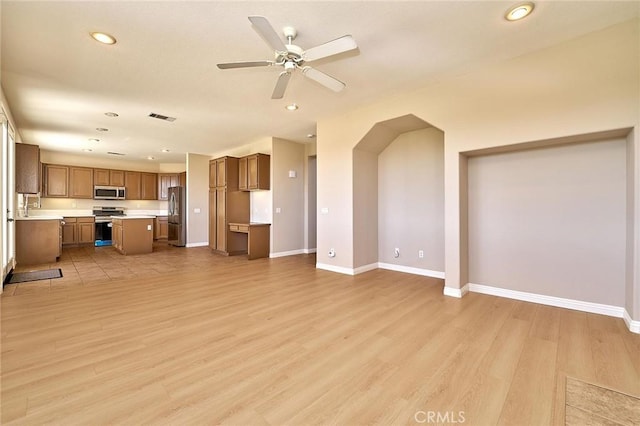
[[161, 228], [78, 231], [37, 241]]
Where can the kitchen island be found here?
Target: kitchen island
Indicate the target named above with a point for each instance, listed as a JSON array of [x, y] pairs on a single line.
[[133, 234]]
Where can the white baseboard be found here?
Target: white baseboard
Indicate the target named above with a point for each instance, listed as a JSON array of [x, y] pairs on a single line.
[[456, 292], [286, 253], [205, 244], [560, 302], [632, 325], [309, 251], [332, 268], [411, 270], [365, 268]]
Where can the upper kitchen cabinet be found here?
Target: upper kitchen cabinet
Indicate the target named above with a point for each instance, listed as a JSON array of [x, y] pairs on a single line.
[[223, 172], [254, 172], [106, 177], [27, 168], [183, 179], [166, 181], [56, 181], [80, 182], [132, 185], [148, 186]]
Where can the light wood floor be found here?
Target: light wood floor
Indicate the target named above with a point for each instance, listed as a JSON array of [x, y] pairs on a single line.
[[205, 339]]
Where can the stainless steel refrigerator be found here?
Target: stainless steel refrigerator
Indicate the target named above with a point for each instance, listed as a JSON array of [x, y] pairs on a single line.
[[177, 216]]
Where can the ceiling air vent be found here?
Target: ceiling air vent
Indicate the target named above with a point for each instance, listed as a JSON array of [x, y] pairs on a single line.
[[114, 153], [162, 117]]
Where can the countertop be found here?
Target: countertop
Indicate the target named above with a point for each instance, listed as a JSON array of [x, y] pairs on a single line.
[[132, 217], [39, 218]]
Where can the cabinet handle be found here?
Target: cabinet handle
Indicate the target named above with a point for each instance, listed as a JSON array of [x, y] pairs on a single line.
[[9, 220]]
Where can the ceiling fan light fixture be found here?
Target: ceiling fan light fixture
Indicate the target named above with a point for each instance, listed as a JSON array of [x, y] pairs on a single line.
[[519, 11], [103, 38], [292, 107]]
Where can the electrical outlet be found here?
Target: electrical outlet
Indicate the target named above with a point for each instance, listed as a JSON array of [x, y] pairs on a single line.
[[421, 254], [396, 252], [332, 253], [148, 227]]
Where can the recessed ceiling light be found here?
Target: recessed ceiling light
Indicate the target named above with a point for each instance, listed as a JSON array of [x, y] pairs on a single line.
[[102, 129], [111, 114], [311, 136], [103, 38], [292, 107], [87, 150], [519, 11], [165, 150], [94, 140], [151, 158]]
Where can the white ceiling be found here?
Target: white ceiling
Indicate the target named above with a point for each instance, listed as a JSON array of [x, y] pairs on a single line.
[[59, 82]]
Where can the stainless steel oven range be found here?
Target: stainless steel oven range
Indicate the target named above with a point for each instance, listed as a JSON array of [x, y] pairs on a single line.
[[104, 223]]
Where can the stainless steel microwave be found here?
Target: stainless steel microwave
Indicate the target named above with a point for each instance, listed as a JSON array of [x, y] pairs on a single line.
[[109, 192]]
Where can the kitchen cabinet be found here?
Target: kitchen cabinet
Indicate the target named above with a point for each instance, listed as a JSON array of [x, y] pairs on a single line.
[[183, 179], [107, 177], [224, 172], [78, 231], [254, 172], [148, 186], [226, 204], [80, 182], [161, 228], [166, 181], [27, 168], [56, 181], [37, 241], [133, 235], [257, 238], [132, 185]]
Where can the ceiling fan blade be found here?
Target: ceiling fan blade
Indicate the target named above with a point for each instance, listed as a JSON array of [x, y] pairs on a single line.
[[330, 48], [281, 85], [267, 32], [325, 79], [248, 64]]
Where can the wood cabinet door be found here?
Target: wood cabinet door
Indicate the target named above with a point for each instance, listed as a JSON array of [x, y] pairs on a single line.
[[242, 174], [132, 185], [101, 177], [117, 235], [213, 219], [27, 168], [68, 232], [116, 178], [221, 222], [80, 182], [56, 181], [213, 179], [182, 178], [164, 180], [149, 186], [252, 164], [221, 172], [86, 232], [164, 229]]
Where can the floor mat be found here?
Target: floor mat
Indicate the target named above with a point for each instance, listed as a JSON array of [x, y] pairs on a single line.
[[588, 404], [22, 277]]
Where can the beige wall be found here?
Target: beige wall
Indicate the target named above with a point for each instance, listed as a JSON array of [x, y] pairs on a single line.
[[197, 198], [589, 84], [311, 204], [551, 221], [365, 208], [411, 200], [288, 196]]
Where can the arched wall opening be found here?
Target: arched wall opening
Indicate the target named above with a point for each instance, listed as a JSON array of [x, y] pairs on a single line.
[[398, 198]]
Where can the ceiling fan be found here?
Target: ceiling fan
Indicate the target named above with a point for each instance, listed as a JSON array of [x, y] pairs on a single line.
[[292, 57]]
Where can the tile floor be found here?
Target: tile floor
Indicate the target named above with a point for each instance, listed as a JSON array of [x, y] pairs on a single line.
[[94, 265]]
